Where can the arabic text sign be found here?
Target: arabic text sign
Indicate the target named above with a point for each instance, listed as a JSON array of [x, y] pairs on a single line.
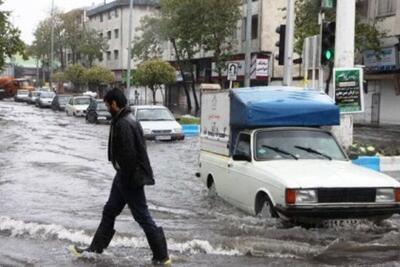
[[348, 89]]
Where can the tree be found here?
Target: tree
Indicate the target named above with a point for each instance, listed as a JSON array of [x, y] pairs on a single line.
[[154, 73], [76, 74], [367, 35], [219, 25], [10, 42], [191, 26], [98, 78], [92, 46]]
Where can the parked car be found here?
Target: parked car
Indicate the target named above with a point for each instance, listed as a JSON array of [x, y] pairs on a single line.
[[97, 112], [45, 99], [77, 106], [59, 102], [21, 96], [157, 122], [33, 95]]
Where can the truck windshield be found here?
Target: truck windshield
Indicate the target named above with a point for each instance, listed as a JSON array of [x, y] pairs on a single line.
[[303, 144]]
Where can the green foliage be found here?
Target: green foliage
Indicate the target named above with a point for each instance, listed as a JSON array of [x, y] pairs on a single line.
[[68, 34], [99, 76], [59, 77], [306, 23], [189, 120], [77, 75], [10, 42], [153, 73], [372, 150]]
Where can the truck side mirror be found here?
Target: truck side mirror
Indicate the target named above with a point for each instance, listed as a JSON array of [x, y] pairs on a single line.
[[353, 156], [241, 157]]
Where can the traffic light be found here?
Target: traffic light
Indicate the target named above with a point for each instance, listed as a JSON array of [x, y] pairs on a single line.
[[281, 30], [328, 42]]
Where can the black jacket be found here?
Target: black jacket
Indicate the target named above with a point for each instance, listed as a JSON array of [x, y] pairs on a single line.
[[127, 150]]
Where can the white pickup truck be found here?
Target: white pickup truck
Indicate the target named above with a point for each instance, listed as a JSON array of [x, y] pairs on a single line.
[[269, 150]]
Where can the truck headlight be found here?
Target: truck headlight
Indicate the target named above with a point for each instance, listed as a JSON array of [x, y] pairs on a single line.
[[301, 196], [178, 130], [385, 195]]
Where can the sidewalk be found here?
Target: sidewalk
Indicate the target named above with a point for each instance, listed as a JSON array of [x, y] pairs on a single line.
[[382, 136]]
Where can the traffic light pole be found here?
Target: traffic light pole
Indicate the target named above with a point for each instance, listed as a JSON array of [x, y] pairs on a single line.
[[288, 75]]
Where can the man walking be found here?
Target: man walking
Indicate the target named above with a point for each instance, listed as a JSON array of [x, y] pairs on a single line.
[[127, 152]]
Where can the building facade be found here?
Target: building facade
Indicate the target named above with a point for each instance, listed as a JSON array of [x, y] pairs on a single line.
[[111, 21], [382, 72]]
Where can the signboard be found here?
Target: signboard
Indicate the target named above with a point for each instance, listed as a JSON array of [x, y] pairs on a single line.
[[386, 58], [232, 71], [348, 91], [240, 68]]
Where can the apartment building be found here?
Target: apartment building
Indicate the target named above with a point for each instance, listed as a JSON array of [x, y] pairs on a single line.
[[382, 101], [111, 21]]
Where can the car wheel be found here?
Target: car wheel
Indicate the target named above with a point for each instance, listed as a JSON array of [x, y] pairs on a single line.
[[266, 211]]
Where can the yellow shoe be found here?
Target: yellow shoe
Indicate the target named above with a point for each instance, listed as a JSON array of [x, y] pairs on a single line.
[[166, 262]]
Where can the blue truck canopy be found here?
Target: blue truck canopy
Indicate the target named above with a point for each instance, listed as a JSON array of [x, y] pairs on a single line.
[[281, 106]]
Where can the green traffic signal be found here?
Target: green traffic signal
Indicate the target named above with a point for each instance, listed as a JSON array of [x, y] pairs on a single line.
[[329, 55]]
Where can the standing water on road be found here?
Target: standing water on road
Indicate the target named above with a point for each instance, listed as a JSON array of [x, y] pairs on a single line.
[[55, 179]]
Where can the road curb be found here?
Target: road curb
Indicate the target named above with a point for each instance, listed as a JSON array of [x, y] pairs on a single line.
[[379, 163], [191, 129]]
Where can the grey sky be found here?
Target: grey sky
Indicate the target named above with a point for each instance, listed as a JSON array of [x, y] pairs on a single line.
[[26, 14]]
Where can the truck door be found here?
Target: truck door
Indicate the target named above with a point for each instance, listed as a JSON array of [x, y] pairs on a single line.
[[239, 168]]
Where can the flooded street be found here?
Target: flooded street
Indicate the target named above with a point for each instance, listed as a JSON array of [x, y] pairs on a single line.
[[55, 179]]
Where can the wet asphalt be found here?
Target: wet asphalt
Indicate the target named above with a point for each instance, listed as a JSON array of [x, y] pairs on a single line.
[[55, 179]]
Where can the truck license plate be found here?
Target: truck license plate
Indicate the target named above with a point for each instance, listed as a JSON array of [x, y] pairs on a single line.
[[343, 222], [163, 137]]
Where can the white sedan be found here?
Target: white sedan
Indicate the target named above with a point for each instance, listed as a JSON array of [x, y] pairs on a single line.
[[158, 123], [77, 106]]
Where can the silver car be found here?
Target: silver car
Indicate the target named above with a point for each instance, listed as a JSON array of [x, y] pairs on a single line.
[[45, 99]]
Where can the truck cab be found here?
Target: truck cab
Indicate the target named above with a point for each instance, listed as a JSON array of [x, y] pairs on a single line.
[[282, 165]]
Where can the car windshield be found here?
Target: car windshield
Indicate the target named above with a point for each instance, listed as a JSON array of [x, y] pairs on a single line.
[[82, 101], [47, 95], [154, 114], [22, 92], [300, 144], [63, 99], [101, 106]]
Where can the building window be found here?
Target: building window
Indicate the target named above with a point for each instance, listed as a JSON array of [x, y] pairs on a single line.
[[116, 34], [116, 13], [101, 17], [254, 27], [109, 35], [108, 55], [386, 7], [109, 14], [116, 54]]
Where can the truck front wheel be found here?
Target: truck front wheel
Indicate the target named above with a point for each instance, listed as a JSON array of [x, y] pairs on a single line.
[[212, 191], [264, 207]]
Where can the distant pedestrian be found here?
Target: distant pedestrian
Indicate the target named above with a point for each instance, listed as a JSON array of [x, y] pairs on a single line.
[[127, 152]]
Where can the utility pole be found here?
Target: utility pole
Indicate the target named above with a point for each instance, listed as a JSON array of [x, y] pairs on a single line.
[[344, 58], [128, 72], [248, 45], [289, 39], [51, 46], [345, 30]]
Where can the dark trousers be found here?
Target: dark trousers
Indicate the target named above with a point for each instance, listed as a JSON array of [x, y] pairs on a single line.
[[135, 199]]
